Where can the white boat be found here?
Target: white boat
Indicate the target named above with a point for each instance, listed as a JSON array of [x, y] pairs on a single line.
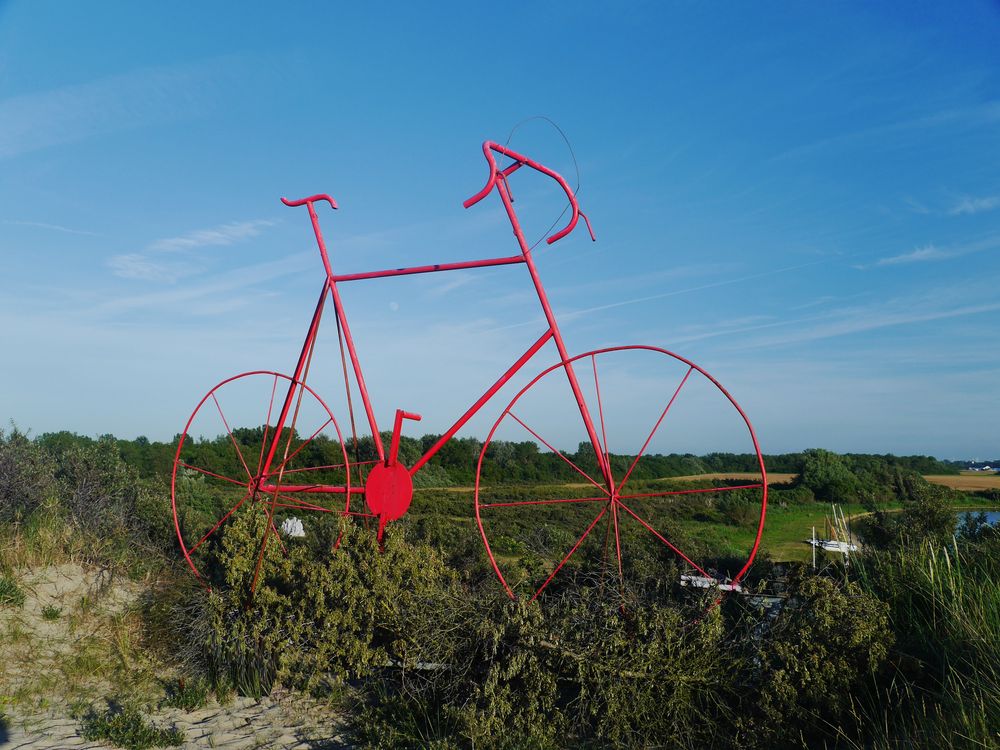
[[833, 545]]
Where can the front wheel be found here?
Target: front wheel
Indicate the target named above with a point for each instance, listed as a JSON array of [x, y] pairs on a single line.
[[646, 505]]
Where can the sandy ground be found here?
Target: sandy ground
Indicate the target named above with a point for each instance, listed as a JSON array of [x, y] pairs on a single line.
[[245, 723], [48, 662]]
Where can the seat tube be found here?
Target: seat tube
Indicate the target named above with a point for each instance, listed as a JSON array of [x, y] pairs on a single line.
[[356, 364], [338, 309]]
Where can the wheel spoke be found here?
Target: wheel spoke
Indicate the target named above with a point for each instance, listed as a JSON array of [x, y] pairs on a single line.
[[576, 468], [618, 552], [221, 521], [295, 503], [233, 439], [663, 539], [314, 468], [600, 410], [515, 503], [570, 553], [285, 462], [607, 545], [267, 422], [212, 474], [277, 536], [692, 492], [655, 427], [358, 514], [263, 542]]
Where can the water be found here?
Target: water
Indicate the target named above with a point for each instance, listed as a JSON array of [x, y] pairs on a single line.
[[992, 516]]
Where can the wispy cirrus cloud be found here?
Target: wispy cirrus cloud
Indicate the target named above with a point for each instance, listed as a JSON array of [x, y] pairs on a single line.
[[138, 266], [224, 234], [196, 295], [969, 205], [73, 113], [985, 113], [932, 305], [920, 255], [933, 253], [51, 227], [159, 261]]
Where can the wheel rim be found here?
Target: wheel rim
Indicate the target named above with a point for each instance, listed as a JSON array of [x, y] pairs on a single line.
[[607, 518], [218, 465]]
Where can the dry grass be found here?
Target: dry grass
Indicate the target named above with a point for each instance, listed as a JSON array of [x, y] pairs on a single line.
[[966, 481], [92, 646]]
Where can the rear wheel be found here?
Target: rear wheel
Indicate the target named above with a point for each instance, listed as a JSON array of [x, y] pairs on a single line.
[[221, 468]]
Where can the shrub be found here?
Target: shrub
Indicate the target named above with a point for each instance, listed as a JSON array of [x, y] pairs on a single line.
[[826, 642], [27, 476], [318, 613], [643, 675]]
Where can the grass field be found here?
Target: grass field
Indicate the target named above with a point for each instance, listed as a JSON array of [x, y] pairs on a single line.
[[967, 481], [775, 478], [785, 531]]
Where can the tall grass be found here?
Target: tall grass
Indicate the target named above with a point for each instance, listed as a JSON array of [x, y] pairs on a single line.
[[943, 689]]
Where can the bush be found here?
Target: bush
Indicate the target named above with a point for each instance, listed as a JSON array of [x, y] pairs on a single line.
[[318, 613], [104, 495], [27, 476], [825, 643]]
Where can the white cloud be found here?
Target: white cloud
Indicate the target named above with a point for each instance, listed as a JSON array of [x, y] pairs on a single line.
[[986, 113], [150, 265], [224, 234], [52, 227], [942, 305], [234, 283], [970, 205], [920, 255], [931, 252], [136, 266], [72, 113]]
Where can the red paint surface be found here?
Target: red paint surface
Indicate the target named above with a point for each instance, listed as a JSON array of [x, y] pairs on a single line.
[[388, 488]]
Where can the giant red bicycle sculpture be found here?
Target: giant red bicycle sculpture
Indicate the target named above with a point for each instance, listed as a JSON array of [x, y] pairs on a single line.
[[294, 467]]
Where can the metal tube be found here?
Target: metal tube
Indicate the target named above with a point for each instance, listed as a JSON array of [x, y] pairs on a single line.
[[300, 365], [428, 269], [511, 371], [557, 334], [356, 364]]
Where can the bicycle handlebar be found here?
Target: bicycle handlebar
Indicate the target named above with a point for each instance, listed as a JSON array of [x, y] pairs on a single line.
[[311, 199], [522, 161]]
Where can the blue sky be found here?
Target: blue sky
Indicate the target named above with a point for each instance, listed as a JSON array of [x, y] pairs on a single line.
[[802, 198]]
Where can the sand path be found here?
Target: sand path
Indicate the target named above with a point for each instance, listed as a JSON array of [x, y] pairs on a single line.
[[56, 648]]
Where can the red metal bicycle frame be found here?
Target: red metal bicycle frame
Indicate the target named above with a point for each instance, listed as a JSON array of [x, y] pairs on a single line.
[[498, 178]]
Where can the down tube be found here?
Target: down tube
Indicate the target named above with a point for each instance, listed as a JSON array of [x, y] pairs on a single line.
[[532, 350]]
